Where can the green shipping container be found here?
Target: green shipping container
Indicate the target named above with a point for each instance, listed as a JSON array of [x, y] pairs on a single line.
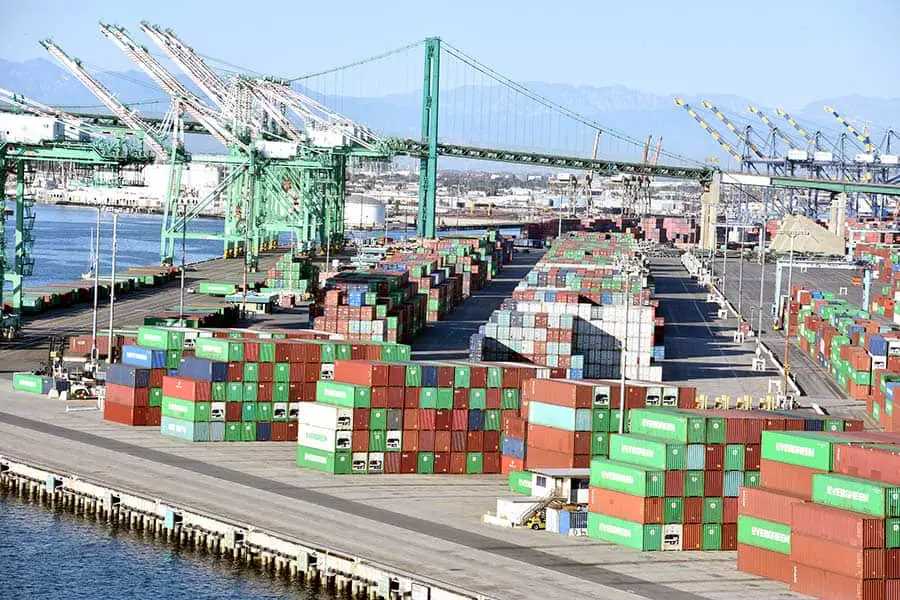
[[668, 425], [519, 482], [251, 392], [220, 349], [712, 511], [673, 511], [343, 394], [160, 338], [474, 463], [428, 397], [477, 398], [378, 419], [892, 533], [647, 452], [413, 375], [219, 391], [600, 419], [378, 441], [712, 536], [462, 377], [509, 399], [599, 444], [804, 449], [613, 422], [248, 432], [234, 392], [444, 398], [248, 412], [251, 372], [734, 457], [629, 479], [694, 483], [624, 533], [155, 396], [185, 409], [264, 411], [859, 495], [173, 359], [493, 420], [751, 478], [764, 534], [425, 464], [715, 430], [281, 392], [267, 352], [337, 463], [217, 288], [233, 432]]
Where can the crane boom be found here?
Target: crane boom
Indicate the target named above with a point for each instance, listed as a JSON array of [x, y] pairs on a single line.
[[863, 137], [128, 116], [762, 117], [193, 105], [647, 148], [731, 127], [712, 132], [657, 151], [806, 135]]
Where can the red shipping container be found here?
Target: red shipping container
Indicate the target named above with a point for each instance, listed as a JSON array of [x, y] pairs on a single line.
[[539, 458], [892, 563], [361, 418], [264, 391], [458, 441], [411, 398], [426, 441], [549, 438], [475, 441], [442, 462], [395, 397], [458, 463], [752, 456], [892, 589], [127, 415], [411, 419], [693, 510], [491, 462], [832, 586], [861, 563], [292, 430], [409, 462], [187, 389], [493, 399], [626, 506], [729, 535], [156, 377], [841, 526], [234, 412], [442, 420], [459, 420], [692, 537], [379, 397], [441, 441], [715, 457], [266, 372], [427, 419], [391, 462], [713, 483], [360, 440], [128, 396], [787, 478], [508, 464], [879, 464], [460, 399], [764, 563], [492, 441], [235, 371], [410, 442], [513, 425], [729, 510], [767, 504], [674, 483]]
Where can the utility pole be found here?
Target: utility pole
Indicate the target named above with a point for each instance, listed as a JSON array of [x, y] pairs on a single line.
[[787, 315], [112, 287], [183, 260], [94, 353], [762, 280]]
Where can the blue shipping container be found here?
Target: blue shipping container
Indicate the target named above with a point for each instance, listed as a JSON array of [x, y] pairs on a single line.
[[696, 457], [129, 376], [476, 419], [217, 431], [138, 356], [513, 447], [733, 481], [569, 520], [263, 432], [203, 369]]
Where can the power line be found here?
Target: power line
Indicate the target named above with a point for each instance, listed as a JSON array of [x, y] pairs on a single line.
[[359, 62]]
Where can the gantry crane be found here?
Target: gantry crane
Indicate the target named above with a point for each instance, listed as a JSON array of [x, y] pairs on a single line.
[[773, 128], [156, 143], [589, 176], [806, 135], [862, 137], [731, 127], [712, 132]]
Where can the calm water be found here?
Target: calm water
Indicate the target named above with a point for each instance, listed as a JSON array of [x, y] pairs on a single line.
[[54, 556], [63, 241]]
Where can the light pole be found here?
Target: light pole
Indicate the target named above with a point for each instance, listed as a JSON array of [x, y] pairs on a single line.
[[762, 280], [112, 288], [741, 281], [786, 325], [624, 362], [94, 353]]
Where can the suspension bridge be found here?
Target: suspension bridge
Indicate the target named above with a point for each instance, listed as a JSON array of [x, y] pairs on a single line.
[[286, 143]]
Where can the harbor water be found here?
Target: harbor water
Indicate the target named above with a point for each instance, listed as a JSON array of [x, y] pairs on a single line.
[[56, 556], [62, 246]]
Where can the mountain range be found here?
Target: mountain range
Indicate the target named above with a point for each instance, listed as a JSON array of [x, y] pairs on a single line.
[[492, 116]]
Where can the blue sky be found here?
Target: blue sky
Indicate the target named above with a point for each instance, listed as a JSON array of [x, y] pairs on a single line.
[[789, 52]]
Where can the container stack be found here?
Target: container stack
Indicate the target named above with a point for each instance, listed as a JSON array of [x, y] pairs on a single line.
[[575, 310], [293, 278], [409, 417], [132, 394], [442, 287], [372, 305], [673, 482], [33, 384], [827, 521], [675, 230]]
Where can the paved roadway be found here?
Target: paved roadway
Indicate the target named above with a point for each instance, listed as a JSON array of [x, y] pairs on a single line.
[[700, 350], [433, 519], [449, 339], [816, 384]]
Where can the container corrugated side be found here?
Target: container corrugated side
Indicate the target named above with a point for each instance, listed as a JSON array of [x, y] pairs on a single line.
[[837, 525], [860, 495], [623, 477], [793, 448], [764, 534], [625, 533], [648, 452], [862, 563]]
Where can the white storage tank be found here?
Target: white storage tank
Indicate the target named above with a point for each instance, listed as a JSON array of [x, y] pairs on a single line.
[[363, 211]]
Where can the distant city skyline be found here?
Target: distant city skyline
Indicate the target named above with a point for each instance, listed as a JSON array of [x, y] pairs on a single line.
[[778, 53]]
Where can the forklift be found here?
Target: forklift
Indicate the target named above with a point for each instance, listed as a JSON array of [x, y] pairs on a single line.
[[80, 383]]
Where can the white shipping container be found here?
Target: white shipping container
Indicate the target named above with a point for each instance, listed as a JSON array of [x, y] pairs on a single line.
[[324, 439], [30, 129], [797, 154], [865, 158], [325, 415], [822, 156], [889, 159]]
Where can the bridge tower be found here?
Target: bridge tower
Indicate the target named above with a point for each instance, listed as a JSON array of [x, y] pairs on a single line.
[[428, 163]]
